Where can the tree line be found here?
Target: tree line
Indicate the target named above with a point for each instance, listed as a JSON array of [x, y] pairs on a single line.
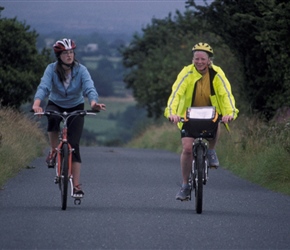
[[21, 64], [250, 39], [24, 57]]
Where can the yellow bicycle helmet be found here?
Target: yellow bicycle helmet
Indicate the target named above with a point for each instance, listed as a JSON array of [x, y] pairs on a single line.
[[203, 47]]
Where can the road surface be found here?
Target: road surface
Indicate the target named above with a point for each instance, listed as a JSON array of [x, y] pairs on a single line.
[[130, 204]]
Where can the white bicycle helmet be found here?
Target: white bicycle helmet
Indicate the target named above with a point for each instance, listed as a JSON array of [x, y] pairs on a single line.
[[63, 45]]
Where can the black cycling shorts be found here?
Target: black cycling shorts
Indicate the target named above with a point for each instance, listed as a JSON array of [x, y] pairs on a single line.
[[75, 126]]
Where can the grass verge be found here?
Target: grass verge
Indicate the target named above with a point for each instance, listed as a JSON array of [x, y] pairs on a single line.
[[21, 142], [252, 150]]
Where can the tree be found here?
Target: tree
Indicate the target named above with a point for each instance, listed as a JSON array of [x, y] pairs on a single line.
[[104, 78], [21, 66], [258, 32], [154, 59]]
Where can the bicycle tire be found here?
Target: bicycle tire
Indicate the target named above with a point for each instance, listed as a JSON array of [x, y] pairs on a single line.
[[64, 175], [191, 184], [200, 162]]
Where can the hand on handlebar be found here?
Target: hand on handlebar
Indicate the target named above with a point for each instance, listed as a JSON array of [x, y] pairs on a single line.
[[227, 118], [174, 118], [37, 109], [98, 106]]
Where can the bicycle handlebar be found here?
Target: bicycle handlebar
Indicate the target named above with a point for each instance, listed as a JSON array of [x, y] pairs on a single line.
[[66, 114]]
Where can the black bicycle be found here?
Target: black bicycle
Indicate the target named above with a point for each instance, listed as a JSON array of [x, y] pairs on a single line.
[[203, 124]]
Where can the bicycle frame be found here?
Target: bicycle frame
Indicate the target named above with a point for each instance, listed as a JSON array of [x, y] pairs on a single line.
[[64, 154], [64, 140]]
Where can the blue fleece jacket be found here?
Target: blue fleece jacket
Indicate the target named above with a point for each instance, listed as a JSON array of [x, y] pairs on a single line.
[[81, 86]]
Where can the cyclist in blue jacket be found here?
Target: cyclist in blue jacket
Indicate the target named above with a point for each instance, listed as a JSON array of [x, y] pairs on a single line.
[[65, 83]]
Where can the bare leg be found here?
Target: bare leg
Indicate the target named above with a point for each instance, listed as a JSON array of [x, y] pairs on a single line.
[[76, 171], [212, 143], [53, 139], [186, 158]]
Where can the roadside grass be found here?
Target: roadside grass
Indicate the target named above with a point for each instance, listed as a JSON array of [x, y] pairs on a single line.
[[22, 139], [21, 142], [262, 153], [252, 150], [166, 137]]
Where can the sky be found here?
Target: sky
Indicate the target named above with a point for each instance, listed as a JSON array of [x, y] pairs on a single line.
[[116, 16]]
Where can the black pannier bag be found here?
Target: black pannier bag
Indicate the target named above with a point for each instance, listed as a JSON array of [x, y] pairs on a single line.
[[201, 121]]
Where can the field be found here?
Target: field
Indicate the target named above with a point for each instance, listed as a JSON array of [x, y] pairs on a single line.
[[104, 125]]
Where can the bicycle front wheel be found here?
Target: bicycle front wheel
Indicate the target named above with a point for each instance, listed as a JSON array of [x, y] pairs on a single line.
[[64, 175], [200, 165]]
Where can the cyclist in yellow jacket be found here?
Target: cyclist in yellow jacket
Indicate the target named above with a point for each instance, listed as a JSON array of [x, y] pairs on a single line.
[[199, 84]]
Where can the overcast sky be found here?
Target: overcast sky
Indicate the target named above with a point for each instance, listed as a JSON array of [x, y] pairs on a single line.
[[110, 15]]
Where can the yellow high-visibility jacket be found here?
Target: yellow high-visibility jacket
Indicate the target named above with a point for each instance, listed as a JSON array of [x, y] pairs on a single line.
[[183, 89]]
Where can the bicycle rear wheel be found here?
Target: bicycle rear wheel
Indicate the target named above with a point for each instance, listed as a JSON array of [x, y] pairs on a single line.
[[200, 165], [64, 175]]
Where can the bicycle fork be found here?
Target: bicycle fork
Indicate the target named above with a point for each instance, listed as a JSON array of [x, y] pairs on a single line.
[[59, 167]]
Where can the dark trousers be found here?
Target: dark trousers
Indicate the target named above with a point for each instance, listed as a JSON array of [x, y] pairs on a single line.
[[75, 126]]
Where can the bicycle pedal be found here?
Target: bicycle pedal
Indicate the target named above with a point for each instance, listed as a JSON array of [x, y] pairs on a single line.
[[77, 201], [77, 196], [56, 180], [187, 199], [213, 167]]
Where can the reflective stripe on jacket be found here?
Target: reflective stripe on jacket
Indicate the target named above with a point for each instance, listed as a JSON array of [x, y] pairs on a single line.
[[183, 89]]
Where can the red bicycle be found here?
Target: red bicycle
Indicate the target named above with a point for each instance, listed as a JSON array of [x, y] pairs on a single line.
[[64, 155]]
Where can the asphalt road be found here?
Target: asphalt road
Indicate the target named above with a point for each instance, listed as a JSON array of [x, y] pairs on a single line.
[[130, 204]]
